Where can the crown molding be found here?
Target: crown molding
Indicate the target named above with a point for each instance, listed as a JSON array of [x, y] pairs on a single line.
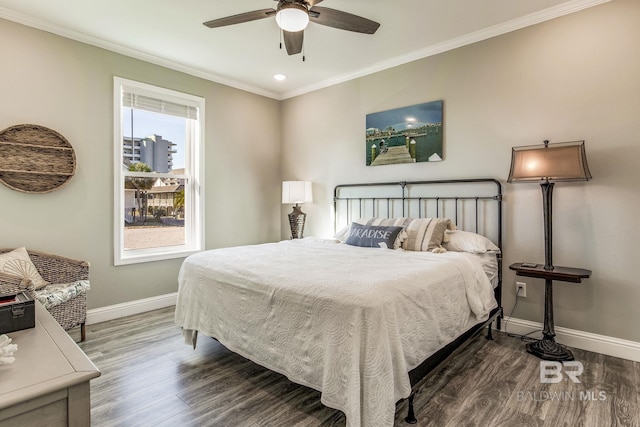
[[464, 40]]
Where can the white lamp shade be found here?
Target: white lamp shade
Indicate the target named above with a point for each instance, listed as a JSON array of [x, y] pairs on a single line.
[[296, 192], [292, 17]]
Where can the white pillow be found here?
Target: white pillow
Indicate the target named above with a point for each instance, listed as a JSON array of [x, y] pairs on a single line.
[[343, 233], [18, 264], [465, 241]]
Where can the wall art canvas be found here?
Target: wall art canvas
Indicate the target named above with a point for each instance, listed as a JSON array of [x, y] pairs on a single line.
[[405, 135]]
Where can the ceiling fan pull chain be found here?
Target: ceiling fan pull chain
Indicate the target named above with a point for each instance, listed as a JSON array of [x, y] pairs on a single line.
[[303, 54], [280, 32]]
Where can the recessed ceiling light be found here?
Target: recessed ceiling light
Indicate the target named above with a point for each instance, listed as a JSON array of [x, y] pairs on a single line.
[[279, 77]]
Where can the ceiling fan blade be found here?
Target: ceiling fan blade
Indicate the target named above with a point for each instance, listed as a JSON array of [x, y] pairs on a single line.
[[240, 18], [293, 41], [342, 20]]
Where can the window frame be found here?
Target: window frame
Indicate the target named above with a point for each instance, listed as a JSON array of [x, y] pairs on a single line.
[[194, 175]]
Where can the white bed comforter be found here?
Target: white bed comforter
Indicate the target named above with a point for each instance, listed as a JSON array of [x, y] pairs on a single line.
[[347, 321]]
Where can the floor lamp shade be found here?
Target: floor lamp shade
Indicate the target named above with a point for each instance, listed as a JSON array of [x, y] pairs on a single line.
[[296, 192], [565, 161]]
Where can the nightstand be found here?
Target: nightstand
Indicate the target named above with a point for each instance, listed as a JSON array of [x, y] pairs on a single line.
[[547, 348]]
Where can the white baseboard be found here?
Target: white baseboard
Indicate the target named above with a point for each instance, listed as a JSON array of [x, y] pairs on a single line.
[[117, 311], [616, 347]]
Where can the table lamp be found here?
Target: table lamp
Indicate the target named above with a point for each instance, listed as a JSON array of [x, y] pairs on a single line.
[[296, 192]]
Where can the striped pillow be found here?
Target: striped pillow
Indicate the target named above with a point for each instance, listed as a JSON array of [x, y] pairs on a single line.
[[426, 234], [422, 234]]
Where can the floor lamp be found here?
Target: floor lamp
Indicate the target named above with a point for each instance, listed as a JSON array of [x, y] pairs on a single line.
[[296, 192], [548, 164]]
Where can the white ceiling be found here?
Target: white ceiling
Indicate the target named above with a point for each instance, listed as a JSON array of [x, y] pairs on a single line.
[[246, 56]]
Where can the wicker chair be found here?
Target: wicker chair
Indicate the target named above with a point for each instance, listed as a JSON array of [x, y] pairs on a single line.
[[57, 269]]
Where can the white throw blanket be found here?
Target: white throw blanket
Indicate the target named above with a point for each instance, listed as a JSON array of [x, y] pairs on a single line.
[[344, 320]]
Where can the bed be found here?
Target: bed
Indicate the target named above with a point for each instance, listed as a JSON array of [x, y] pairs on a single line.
[[364, 326]]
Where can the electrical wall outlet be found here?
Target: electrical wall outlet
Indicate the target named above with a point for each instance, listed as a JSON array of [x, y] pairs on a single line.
[[521, 289]]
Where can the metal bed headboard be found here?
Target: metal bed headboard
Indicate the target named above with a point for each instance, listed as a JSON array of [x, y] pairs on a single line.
[[472, 204], [464, 201]]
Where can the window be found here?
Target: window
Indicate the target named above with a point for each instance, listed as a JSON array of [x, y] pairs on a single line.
[[158, 173]]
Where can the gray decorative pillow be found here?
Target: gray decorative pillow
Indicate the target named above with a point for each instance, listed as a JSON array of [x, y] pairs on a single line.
[[373, 236], [398, 222]]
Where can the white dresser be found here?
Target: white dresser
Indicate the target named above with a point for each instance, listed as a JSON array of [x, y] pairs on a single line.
[[48, 384]]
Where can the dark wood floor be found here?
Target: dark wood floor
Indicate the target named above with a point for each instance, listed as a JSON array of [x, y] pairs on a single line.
[[151, 378]]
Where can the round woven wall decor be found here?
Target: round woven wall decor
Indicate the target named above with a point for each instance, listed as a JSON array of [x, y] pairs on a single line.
[[35, 159]]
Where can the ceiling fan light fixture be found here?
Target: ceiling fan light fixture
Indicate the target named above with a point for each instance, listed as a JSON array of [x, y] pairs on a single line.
[[292, 17]]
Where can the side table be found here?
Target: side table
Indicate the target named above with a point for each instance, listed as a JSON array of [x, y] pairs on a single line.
[[547, 348]]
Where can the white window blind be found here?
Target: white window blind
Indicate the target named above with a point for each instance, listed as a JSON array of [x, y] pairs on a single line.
[[141, 102]]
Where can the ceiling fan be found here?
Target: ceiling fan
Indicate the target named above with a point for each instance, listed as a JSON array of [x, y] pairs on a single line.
[[293, 16]]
